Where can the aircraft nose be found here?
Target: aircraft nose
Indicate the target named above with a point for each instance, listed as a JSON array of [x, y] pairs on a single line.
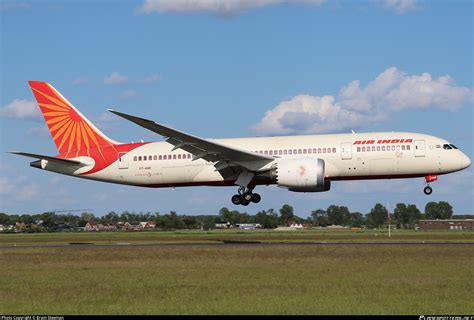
[[465, 162]]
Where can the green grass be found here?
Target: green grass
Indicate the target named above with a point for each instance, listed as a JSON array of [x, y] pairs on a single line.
[[238, 280], [194, 236], [221, 279]]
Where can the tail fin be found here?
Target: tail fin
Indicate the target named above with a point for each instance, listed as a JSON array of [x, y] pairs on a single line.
[[72, 133]]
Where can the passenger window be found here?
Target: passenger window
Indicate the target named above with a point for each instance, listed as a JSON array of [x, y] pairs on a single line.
[[324, 150], [333, 150], [155, 157], [309, 150], [383, 148], [160, 157], [174, 156], [304, 151], [358, 149], [285, 152], [270, 152], [280, 152], [140, 158], [290, 151], [373, 148], [398, 148], [363, 149], [179, 157], [403, 147], [408, 147], [315, 150], [135, 158], [378, 148], [299, 151]]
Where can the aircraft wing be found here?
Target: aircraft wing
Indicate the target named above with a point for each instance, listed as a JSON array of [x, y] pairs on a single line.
[[52, 159], [199, 147]]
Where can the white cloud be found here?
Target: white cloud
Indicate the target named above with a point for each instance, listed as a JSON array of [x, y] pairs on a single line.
[[80, 80], [13, 4], [115, 78], [391, 91], [128, 94], [400, 6], [21, 109], [42, 131], [5, 186], [107, 121], [215, 7], [19, 189], [150, 79]]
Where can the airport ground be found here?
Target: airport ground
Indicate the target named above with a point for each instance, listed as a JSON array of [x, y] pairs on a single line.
[[238, 272]]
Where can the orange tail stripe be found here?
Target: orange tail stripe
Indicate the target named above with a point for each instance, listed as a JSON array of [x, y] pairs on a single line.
[[60, 131], [57, 119], [65, 136], [72, 137], [84, 135], [59, 125], [53, 99], [78, 136], [55, 113], [53, 107]]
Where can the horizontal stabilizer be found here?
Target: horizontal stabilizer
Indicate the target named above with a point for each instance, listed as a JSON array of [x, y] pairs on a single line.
[[52, 159]]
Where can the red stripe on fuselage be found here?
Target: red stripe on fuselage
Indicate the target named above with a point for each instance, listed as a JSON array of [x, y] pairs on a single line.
[[107, 155]]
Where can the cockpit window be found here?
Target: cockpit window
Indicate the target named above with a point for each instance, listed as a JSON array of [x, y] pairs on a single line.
[[447, 147], [454, 147]]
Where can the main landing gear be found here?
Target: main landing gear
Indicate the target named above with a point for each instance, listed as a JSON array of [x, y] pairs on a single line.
[[245, 196], [428, 190]]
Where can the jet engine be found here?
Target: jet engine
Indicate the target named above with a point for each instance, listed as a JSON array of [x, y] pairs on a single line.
[[301, 175]]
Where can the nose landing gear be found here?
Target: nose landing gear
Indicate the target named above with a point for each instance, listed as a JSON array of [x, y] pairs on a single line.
[[245, 196], [428, 190]]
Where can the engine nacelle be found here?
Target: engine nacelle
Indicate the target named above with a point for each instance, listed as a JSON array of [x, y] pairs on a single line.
[[302, 175]]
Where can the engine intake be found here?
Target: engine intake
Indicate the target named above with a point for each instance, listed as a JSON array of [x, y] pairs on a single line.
[[302, 175]]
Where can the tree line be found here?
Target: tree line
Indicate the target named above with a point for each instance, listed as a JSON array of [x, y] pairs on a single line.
[[404, 216]]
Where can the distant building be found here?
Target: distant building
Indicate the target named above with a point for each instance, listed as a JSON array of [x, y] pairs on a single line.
[[248, 226], [223, 225], [92, 226], [447, 224], [127, 226], [296, 226]]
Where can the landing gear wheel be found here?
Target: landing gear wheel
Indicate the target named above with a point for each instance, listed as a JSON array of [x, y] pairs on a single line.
[[248, 196], [256, 198], [245, 195], [237, 199], [245, 202], [427, 190]]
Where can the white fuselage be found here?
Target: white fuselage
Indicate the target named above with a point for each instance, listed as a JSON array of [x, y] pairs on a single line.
[[355, 156]]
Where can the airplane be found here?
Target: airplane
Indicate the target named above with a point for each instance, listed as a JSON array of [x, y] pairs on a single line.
[[304, 163]]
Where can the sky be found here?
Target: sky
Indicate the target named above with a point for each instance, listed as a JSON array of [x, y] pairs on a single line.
[[237, 68]]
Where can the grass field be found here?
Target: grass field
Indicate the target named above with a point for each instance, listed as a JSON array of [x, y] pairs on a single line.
[[264, 236], [238, 279]]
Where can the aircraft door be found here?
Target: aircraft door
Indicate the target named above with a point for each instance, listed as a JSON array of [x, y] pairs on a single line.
[[346, 150], [123, 160], [420, 149]]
